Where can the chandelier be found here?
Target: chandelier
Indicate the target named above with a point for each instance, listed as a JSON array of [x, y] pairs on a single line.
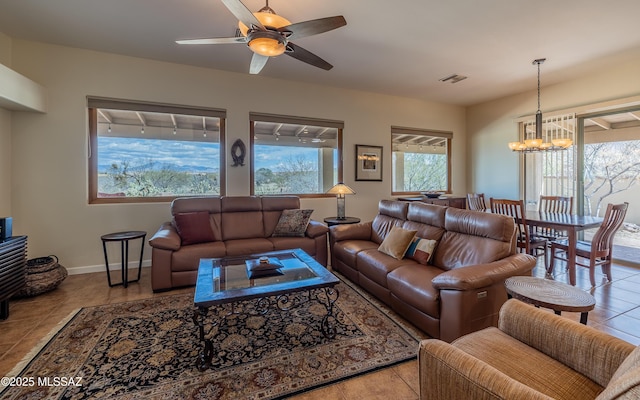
[[537, 143]]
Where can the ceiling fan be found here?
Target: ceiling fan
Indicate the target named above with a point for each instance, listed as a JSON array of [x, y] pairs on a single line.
[[268, 35]]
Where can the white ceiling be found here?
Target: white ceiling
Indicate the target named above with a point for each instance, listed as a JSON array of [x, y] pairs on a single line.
[[400, 47]]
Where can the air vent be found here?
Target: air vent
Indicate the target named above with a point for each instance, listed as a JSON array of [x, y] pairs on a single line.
[[455, 78]]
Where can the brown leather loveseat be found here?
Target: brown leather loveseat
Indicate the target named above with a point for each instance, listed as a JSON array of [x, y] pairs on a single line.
[[459, 290], [219, 226]]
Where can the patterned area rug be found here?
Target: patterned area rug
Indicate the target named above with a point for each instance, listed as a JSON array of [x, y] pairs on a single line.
[[148, 349]]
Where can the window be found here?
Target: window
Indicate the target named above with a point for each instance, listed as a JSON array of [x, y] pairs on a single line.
[[153, 152], [421, 160], [292, 155], [550, 173]]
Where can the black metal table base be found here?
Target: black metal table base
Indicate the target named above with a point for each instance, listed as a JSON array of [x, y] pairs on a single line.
[[285, 302], [123, 238], [4, 309]]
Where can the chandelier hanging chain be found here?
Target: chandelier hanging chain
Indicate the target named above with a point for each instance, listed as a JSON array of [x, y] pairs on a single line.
[[539, 62]]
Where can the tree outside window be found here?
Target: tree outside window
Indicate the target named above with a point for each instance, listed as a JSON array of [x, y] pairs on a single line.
[[420, 160], [295, 156]]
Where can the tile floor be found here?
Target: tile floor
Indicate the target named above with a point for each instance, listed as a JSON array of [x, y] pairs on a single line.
[[617, 312]]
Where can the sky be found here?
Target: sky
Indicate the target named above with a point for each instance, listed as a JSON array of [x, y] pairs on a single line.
[[187, 156]]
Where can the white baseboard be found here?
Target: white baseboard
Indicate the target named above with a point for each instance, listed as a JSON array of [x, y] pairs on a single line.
[[101, 268]]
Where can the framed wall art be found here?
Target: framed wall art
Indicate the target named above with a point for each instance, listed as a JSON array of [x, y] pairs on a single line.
[[368, 163]]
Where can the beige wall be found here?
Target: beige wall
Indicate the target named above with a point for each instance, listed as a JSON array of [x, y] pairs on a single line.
[[5, 138], [493, 168], [49, 167], [5, 163]]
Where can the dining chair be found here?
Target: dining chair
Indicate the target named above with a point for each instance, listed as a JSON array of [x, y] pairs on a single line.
[[555, 205], [526, 242], [598, 252], [475, 201]]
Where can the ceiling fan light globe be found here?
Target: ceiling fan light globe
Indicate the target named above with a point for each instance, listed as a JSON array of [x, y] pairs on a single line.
[[267, 47], [268, 20]]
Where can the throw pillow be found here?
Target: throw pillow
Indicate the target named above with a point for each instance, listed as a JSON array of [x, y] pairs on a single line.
[[194, 227], [421, 250], [292, 223], [397, 242]]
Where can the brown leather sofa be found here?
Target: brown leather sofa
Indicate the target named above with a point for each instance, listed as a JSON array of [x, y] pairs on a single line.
[[240, 225], [461, 289]]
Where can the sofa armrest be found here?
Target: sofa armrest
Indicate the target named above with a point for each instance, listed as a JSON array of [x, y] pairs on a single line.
[[361, 231], [447, 372], [482, 275], [316, 228], [593, 353], [166, 238]]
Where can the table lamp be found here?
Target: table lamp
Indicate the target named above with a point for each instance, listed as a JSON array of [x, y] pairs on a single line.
[[340, 190]]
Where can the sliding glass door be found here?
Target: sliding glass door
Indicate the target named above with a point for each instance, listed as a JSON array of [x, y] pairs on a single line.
[[601, 167], [611, 171]]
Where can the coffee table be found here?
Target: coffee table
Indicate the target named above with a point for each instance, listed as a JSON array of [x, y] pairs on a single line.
[[546, 293], [224, 283]]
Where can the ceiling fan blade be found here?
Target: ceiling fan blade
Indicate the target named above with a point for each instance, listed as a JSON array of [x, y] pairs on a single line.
[[306, 56], [257, 62], [228, 40], [243, 14], [313, 27]]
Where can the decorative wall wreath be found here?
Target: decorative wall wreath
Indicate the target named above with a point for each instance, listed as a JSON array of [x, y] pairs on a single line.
[[238, 151]]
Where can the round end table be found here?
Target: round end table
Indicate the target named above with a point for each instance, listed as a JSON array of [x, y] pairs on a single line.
[[546, 293], [123, 238], [341, 221]]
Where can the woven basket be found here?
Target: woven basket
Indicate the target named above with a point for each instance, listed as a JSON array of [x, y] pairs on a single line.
[[43, 274]]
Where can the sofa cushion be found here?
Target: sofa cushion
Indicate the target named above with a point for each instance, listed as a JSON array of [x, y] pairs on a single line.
[[241, 217], [375, 265], [286, 243], [272, 207], [421, 250], [347, 251], [292, 223], [194, 227], [397, 242], [527, 365], [390, 214], [473, 238], [412, 284], [238, 247], [211, 204], [188, 257], [428, 214]]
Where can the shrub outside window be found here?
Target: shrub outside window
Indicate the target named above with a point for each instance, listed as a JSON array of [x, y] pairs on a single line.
[[421, 160], [153, 152]]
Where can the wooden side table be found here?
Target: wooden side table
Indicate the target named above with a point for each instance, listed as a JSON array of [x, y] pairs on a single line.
[[337, 221], [546, 293], [123, 238]]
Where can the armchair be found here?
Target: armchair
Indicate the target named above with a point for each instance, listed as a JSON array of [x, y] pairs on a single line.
[[532, 354]]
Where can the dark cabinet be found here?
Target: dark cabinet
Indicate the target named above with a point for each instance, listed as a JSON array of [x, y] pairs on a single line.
[[13, 262], [450, 201]]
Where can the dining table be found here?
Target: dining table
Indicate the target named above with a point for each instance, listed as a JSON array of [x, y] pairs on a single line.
[[570, 223]]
